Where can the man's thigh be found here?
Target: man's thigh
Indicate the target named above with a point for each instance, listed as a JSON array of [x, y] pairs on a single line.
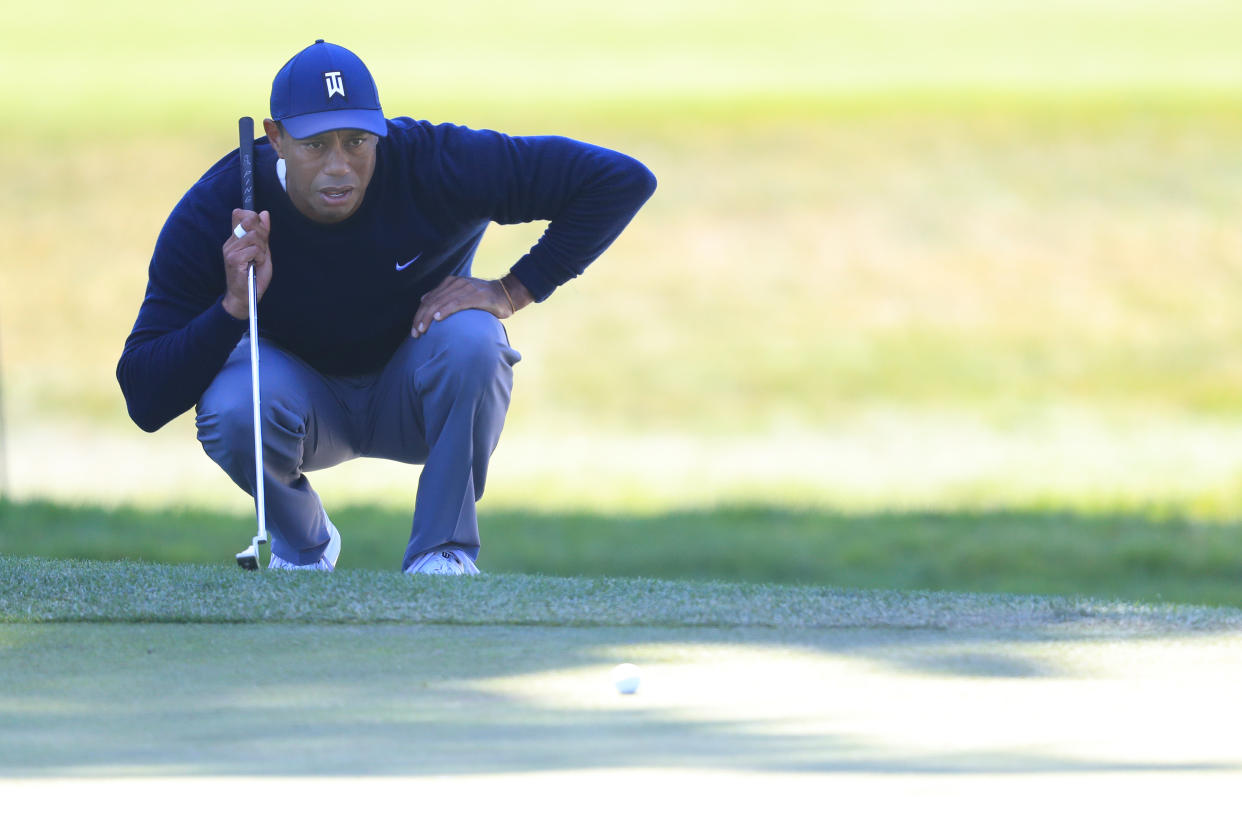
[[469, 347]]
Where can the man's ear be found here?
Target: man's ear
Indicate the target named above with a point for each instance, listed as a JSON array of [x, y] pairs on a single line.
[[274, 134]]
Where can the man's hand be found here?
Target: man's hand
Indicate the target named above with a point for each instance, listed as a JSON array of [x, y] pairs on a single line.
[[239, 253], [457, 293]]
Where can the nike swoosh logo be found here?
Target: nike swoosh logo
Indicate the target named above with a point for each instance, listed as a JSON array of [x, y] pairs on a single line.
[[401, 267]]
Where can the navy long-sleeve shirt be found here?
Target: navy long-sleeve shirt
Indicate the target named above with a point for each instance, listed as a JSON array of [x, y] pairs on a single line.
[[339, 297]]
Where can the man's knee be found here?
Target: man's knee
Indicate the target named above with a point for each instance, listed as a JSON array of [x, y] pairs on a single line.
[[225, 421], [472, 343]]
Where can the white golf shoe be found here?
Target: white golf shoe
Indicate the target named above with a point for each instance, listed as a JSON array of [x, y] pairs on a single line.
[[325, 564], [442, 562], [320, 565]]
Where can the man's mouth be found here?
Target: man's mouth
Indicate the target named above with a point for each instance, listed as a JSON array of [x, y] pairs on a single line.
[[336, 195]]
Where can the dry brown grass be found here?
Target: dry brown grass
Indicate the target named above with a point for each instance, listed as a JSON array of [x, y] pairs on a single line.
[[791, 277], [785, 270]]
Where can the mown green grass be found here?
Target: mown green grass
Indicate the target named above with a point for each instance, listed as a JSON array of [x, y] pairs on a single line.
[[1127, 556], [183, 670], [46, 590], [333, 702]]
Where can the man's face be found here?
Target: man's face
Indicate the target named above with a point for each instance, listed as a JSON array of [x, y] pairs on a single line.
[[326, 174]]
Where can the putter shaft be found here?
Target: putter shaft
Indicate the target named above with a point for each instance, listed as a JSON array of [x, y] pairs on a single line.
[[260, 507], [249, 559]]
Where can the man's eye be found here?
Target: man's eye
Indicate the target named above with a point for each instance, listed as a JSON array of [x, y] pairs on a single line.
[[312, 145]]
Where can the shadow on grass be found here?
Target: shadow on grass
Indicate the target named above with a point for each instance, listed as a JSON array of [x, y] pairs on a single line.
[[190, 699], [1122, 555]]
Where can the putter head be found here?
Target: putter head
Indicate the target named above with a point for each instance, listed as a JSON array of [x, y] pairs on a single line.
[[248, 558]]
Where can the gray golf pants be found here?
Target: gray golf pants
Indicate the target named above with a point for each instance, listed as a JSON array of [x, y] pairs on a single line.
[[440, 401]]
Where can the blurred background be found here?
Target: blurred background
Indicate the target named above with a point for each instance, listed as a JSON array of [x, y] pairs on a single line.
[[906, 258]]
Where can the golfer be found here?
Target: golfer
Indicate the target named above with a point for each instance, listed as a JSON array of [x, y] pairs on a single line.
[[375, 338]]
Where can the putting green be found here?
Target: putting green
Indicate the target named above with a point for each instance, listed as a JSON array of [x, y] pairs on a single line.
[[154, 701]]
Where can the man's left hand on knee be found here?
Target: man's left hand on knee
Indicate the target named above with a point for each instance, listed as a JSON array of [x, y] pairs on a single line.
[[499, 297]]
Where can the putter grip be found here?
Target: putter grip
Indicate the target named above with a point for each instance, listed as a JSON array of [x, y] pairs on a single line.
[[245, 131]]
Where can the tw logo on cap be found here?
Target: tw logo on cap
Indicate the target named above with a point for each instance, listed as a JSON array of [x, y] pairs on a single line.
[[335, 83]]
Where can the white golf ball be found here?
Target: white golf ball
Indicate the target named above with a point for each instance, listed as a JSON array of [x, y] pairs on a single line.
[[625, 677]]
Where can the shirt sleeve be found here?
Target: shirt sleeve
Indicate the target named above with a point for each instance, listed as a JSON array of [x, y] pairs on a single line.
[[182, 335], [587, 193]]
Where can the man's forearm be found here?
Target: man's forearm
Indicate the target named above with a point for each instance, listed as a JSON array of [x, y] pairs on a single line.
[[162, 375], [587, 224]]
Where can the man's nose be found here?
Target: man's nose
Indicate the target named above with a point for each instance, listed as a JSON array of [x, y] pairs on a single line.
[[336, 163]]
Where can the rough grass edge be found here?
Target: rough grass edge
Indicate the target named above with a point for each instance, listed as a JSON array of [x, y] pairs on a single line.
[[46, 590]]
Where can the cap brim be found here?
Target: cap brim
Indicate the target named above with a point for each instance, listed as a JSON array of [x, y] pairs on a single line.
[[367, 120]]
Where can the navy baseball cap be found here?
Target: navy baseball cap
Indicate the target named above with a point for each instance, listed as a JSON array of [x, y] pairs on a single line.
[[326, 87]]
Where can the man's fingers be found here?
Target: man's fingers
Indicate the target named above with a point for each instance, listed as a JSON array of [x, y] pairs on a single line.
[[248, 242], [246, 222], [246, 219], [436, 301], [246, 252], [249, 216], [456, 293], [429, 312], [256, 249], [423, 320], [245, 246]]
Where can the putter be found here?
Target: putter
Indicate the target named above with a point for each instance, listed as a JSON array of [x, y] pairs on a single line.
[[249, 559]]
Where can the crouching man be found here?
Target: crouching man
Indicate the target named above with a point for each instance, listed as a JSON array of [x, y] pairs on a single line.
[[375, 338]]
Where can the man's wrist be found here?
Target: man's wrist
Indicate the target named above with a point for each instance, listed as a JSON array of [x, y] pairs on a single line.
[[235, 310], [519, 297], [508, 296]]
